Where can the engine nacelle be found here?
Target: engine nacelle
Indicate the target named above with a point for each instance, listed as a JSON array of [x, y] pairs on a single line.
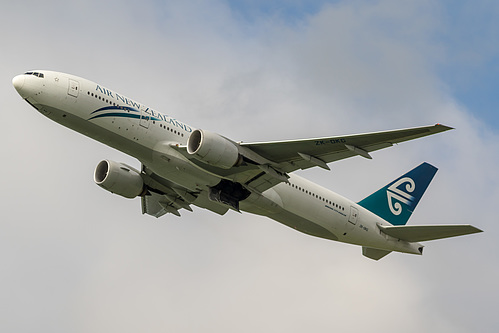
[[119, 179], [213, 149]]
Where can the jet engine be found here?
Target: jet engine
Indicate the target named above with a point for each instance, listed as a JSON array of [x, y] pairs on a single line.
[[213, 149], [119, 178]]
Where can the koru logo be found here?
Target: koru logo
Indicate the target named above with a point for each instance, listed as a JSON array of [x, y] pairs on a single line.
[[394, 193]]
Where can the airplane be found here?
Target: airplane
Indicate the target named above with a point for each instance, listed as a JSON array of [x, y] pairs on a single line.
[[182, 166]]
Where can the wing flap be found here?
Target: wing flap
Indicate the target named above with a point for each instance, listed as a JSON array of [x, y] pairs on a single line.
[[151, 206], [262, 182], [157, 205], [420, 233]]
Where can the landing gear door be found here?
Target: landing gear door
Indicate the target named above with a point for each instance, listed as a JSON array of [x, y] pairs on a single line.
[[73, 88], [354, 215]]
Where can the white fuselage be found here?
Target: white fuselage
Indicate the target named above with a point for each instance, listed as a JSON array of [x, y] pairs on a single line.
[[151, 137]]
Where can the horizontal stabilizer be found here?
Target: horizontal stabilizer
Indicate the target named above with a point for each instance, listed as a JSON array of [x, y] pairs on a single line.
[[375, 254], [419, 233]]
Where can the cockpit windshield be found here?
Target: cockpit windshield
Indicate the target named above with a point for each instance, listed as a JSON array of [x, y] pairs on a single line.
[[40, 75]]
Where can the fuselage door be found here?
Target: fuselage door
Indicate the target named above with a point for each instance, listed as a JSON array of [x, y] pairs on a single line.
[[73, 88], [354, 215], [145, 118]]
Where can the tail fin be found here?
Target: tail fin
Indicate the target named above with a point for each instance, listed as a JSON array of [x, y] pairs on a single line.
[[396, 201]]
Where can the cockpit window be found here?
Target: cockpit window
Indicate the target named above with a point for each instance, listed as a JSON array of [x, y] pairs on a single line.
[[40, 75]]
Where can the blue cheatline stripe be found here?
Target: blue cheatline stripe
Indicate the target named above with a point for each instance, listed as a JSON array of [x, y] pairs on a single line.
[[116, 114], [122, 113], [113, 107]]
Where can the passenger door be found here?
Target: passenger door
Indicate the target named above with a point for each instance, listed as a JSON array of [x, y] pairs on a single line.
[[73, 88], [354, 215]]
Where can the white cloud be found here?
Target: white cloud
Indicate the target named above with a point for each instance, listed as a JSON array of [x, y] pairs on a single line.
[[77, 258]]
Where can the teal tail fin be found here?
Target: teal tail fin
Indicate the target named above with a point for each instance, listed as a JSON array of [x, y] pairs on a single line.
[[396, 201]]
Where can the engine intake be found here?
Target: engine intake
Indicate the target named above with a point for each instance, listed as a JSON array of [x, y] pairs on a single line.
[[119, 178], [213, 149]]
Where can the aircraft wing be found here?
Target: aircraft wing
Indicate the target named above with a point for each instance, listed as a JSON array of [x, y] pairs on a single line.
[[271, 161], [289, 156], [302, 154]]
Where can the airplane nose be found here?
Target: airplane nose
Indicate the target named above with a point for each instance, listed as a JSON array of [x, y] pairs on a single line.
[[18, 83]]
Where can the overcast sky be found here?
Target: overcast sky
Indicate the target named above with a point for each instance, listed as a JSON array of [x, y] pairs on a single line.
[[75, 258]]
